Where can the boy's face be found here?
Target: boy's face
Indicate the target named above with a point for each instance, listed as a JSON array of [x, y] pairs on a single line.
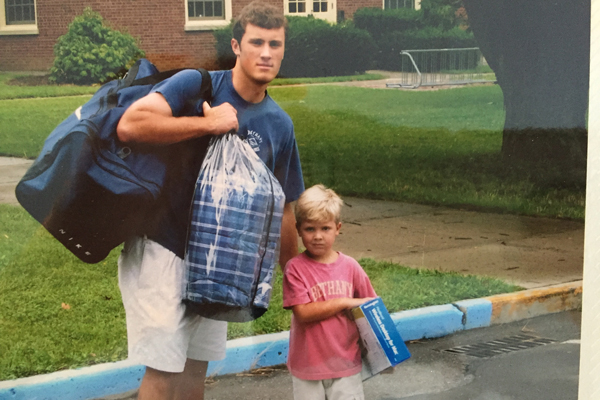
[[260, 53], [318, 237]]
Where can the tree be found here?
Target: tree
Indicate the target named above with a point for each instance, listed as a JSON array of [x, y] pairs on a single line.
[[539, 50]]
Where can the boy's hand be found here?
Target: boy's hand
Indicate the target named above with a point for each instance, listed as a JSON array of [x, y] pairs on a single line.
[[351, 303], [222, 118], [320, 310]]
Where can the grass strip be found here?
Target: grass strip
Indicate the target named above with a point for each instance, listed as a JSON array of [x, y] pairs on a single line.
[[23, 90], [327, 79], [60, 313], [19, 86]]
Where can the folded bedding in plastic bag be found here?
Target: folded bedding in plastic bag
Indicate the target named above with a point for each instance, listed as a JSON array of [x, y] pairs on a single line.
[[233, 242]]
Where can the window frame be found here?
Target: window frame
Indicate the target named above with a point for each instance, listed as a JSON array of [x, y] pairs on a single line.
[[208, 23], [18, 29], [414, 4]]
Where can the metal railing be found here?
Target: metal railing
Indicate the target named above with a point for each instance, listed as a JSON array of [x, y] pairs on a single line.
[[441, 67]]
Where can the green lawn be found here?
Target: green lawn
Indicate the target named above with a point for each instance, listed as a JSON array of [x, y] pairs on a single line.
[[430, 147], [25, 123], [59, 313]]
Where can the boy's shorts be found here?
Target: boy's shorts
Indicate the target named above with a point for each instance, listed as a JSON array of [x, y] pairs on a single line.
[[161, 333], [348, 388]]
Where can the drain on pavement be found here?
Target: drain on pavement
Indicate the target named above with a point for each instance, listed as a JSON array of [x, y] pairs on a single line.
[[500, 346]]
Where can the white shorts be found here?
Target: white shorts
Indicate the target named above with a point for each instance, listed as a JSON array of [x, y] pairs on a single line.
[[161, 333], [348, 388]]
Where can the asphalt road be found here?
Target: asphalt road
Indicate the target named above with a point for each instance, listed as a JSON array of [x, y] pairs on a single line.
[[526, 369]]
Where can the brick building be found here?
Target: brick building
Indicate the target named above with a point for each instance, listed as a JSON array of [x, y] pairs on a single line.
[[173, 33]]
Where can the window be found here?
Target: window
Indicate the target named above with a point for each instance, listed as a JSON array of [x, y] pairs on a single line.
[[319, 6], [18, 18], [20, 12], [206, 14], [297, 6], [325, 10], [205, 9], [393, 4]]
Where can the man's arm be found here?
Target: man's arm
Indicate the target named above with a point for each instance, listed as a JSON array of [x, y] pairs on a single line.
[[151, 120], [289, 236], [320, 310]]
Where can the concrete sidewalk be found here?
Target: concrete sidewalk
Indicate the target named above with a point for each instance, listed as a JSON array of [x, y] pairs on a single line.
[[540, 254], [11, 171], [527, 251]]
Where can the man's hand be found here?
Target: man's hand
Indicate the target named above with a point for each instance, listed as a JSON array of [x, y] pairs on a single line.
[[221, 119]]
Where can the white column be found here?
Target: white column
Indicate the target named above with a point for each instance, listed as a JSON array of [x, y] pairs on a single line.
[[589, 372]]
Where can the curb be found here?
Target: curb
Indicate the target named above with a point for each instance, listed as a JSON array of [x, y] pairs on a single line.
[[268, 350]]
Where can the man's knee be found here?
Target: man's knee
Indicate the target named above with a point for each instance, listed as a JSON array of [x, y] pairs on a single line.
[[195, 368], [158, 384]]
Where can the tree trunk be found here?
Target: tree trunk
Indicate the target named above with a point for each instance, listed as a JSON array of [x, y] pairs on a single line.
[[539, 50]]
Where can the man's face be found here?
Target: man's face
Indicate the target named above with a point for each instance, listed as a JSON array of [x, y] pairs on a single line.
[[260, 52]]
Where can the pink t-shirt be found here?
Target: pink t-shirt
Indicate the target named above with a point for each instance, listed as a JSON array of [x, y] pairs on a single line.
[[325, 349]]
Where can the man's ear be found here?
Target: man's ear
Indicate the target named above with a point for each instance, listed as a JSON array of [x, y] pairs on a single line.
[[235, 46]]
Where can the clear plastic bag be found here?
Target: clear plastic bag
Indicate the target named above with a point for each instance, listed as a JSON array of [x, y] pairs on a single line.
[[233, 241]]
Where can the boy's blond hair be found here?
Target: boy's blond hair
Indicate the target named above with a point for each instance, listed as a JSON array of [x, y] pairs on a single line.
[[318, 203]]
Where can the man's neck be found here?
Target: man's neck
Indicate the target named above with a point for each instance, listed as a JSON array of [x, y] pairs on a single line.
[[249, 90]]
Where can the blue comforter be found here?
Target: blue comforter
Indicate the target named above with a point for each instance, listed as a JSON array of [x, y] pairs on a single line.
[[234, 233]]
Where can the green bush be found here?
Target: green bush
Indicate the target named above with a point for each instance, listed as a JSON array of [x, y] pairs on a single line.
[[313, 48], [91, 52], [225, 56], [391, 44], [442, 13], [380, 22], [316, 48]]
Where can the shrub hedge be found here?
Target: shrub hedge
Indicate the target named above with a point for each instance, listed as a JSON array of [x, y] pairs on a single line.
[[91, 52], [390, 45], [380, 22], [407, 29], [316, 48]]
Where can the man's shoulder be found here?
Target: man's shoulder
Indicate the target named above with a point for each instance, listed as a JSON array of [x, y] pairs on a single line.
[[219, 74], [277, 115]]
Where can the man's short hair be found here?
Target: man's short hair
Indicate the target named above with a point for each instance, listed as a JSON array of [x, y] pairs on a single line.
[[318, 203], [260, 14]]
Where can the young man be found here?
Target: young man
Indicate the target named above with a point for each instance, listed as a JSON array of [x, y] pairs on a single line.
[[174, 344]]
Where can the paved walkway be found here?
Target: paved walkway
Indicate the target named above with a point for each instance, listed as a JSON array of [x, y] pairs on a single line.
[[527, 251]]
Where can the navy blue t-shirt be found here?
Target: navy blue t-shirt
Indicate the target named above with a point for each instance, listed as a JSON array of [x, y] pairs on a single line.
[[266, 127]]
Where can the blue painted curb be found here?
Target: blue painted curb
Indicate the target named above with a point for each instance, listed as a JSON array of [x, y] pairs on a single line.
[[268, 350], [78, 384], [242, 355]]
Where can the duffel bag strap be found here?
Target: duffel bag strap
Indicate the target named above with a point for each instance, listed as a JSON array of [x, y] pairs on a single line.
[[205, 88]]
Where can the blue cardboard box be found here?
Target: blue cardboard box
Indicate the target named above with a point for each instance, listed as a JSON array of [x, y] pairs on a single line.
[[382, 346]]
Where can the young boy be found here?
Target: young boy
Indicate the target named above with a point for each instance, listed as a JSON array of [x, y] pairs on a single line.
[[320, 285]]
